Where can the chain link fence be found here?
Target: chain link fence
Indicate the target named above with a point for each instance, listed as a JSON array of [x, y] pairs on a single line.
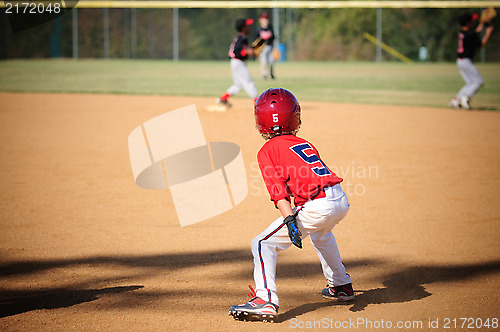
[[205, 34]]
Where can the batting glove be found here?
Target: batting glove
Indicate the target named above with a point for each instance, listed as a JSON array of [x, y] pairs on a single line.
[[293, 232]]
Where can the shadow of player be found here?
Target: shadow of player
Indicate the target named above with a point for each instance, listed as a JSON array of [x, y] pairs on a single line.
[[17, 302], [401, 286]]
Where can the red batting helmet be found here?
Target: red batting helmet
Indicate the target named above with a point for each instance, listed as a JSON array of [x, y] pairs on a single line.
[[277, 111]]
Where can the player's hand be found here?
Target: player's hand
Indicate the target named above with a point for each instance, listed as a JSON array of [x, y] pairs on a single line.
[[293, 231]]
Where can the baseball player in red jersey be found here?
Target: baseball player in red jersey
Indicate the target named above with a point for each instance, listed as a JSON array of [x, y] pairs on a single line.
[[292, 168], [239, 52]]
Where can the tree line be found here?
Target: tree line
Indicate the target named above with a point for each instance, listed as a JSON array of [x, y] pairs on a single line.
[[205, 34]]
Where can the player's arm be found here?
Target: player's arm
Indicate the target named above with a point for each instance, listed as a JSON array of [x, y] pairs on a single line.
[[272, 33], [285, 207], [290, 221], [276, 187], [275, 184], [487, 34], [241, 50]]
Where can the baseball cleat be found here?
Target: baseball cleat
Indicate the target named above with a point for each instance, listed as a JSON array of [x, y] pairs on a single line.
[[464, 102], [339, 293], [255, 310], [224, 102], [454, 103]]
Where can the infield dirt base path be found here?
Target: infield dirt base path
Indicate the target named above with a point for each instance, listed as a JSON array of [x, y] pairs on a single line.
[[83, 248]]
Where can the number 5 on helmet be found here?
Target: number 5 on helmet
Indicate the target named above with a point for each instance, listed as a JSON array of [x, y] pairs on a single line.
[[277, 111]]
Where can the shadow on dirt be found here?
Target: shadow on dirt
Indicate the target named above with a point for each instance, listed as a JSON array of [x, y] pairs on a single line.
[[20, 302], [401, 286], [487, 108], [167, 261]]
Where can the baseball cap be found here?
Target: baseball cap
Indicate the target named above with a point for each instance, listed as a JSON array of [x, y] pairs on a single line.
[[264, 15], [243, 22]]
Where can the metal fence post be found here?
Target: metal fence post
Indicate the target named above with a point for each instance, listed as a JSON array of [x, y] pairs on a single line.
[[276, 25], [126, 35], [379, 34], [176, 33], [133, 28], [74, 15], [106, 32], [151, 34]]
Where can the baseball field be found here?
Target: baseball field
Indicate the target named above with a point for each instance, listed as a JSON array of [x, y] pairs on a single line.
[[82, 247]]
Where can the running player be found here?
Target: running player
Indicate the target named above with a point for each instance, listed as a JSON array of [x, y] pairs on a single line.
[[291, 167], [468, 42], [239, 52]]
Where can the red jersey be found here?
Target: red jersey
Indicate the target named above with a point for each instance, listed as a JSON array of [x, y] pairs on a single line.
[[291, 166]]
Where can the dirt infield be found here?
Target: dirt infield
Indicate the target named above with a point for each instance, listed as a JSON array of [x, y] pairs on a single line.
[[84, 248]]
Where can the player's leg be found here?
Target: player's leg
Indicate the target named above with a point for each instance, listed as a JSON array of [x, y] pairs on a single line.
[[237, 71], [462, 70], [322, 238], [265, 247], [339, 283], [473, 79], [233, 89], [455, 101], [317, 216], [334, 207], [329, 255], [270, 61], [263, 62], [246, 82]]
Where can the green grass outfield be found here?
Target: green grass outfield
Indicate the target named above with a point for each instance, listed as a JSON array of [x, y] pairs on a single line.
[[394, 83]]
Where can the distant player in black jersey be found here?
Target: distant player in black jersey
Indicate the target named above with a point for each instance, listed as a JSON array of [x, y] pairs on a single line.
[[239, 51], [468, 42], [266, 33]]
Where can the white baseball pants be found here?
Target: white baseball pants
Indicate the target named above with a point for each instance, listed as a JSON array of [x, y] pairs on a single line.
[[472, 77], [316, 219], [241, 79], [266, 61]]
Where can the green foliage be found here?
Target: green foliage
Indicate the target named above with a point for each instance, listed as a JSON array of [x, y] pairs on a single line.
[[205, 34], [335, 34], [411, 29]]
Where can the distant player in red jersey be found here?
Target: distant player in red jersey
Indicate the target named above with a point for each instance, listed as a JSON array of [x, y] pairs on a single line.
[[292, 169]]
